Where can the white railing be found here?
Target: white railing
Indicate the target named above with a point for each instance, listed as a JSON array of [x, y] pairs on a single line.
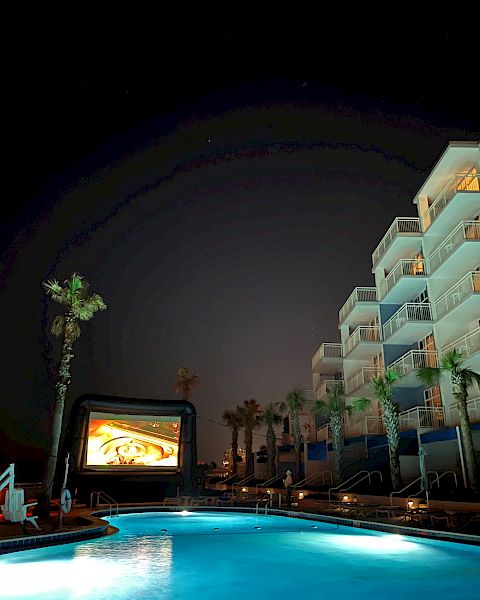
[[327, 350], [473, 409], [327, 386], [413, 360], [457, 293], [362, 377], [467, 344], [431, 417], [359, 294], [400, 226], [324, 433], [374, 426], [461, 182], [466, 230], [405, 267], [408, 312], [363, 333]]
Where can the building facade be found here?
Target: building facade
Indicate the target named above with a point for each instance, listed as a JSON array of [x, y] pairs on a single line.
[[426, 301]]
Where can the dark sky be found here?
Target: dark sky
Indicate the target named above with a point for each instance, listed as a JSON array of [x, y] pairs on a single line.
[[222, 186]]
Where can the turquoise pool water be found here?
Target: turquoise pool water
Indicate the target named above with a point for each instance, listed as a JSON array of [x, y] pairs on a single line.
[[199, 556]]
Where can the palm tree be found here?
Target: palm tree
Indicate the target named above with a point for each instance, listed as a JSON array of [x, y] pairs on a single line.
[[185, 381], [234, 420], [78, 306], [383, 390], [250, 412], [292, 404], [462, 378], [333, 407], [271, 417]]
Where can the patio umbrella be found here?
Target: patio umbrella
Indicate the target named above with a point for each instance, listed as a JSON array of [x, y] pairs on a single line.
[[422, 461]]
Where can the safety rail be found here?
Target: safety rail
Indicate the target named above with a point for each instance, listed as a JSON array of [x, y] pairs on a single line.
[[339, 490], [219, 484], [466, 344], [324, 433], [413, 360], [8, 478], [468, 285], [466, 230], [400, 226], [413, 483], [430, 417], [268, 482], [406, 267], [460, 182], [326, 386], [408, 313], [448, 473], [473, 410], [311, 478], [363, 333], [362, 377], [100, 494], [243, 482], [359, 294], [267, 500], [327, 350]]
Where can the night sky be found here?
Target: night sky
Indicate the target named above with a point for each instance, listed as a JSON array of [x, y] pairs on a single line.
[[221, 185]]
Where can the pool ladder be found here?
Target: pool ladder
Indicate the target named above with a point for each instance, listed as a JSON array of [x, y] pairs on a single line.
[[267, 500], [100, 494]]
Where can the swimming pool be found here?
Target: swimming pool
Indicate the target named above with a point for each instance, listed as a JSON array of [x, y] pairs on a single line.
[[202, 555]]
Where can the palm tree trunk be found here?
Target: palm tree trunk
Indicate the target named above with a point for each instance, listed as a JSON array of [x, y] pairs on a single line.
[[63, 381], [248, 451], [390, 420], [270, 452], [337, 440], [467, 439], [234, 450], [297, 440]]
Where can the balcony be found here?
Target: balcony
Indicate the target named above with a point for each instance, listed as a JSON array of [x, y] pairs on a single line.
[[363, 343], [362, 423], [465, 295], [422, 417], [361, 304], [468, 344], [408, 364], [466, 254], [327, 386], [361, 380], [374, 426], [412, 322], [327, 359], [324, 433], [473, 409], [405, 281], [466, 185], [404, 234]]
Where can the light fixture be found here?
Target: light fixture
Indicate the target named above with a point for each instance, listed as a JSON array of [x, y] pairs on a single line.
[[300, 495], [345, 498], [244, 490], [410, 503], [269, 492]]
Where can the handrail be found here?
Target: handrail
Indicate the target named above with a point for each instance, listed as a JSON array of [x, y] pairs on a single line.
[[312, 477], [268, 482], [368, 474], [8, 477], [264, 499], [410, 485], [448, 473], [111, 501], [243, 482], [219, 483]]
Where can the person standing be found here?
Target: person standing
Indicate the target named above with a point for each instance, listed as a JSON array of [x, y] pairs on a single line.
[[288, 484]]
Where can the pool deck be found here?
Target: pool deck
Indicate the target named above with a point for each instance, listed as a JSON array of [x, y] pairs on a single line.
[[85, 523]]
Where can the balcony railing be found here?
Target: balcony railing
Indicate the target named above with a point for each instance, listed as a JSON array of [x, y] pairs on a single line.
[[363, 333], [327, 386], [413, 360], [374, 426], [405, 267], [467, 230], [409, 312], [473, 409], [461, 182], [324, 433], [431, 417], [362, 377], [327, 350], [468, 344], [400, 226], [359, 294], [456, 294]]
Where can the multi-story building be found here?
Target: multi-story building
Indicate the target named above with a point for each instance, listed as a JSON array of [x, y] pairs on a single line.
[[426, 301]]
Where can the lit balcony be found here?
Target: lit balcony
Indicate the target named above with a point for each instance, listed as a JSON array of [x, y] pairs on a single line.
[[468, 344], [462, 186], [363, 343], [327, 386], [462, 244], [411, 322], [361, 305], [327, 359], [402, 238], [422, 417], [361, 380], [462, 297], [473, 409], [360, 423], [408, 364], [406, 280]]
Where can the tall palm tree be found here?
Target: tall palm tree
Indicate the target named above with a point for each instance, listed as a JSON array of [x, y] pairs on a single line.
[[383, 390], [78, 306], [333, 407], [292, 404], [185, 381], [462, 378], [234, 420], [271, 417], [250, 412]]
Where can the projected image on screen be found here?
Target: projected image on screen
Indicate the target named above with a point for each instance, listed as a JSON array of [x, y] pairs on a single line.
[[132, 440]]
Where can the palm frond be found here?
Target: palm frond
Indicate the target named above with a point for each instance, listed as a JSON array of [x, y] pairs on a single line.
[[452, 361], [360, 404], [96, 302], [470, 377], [321, 408], [428, 375], [76, 331], [58, 326]]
